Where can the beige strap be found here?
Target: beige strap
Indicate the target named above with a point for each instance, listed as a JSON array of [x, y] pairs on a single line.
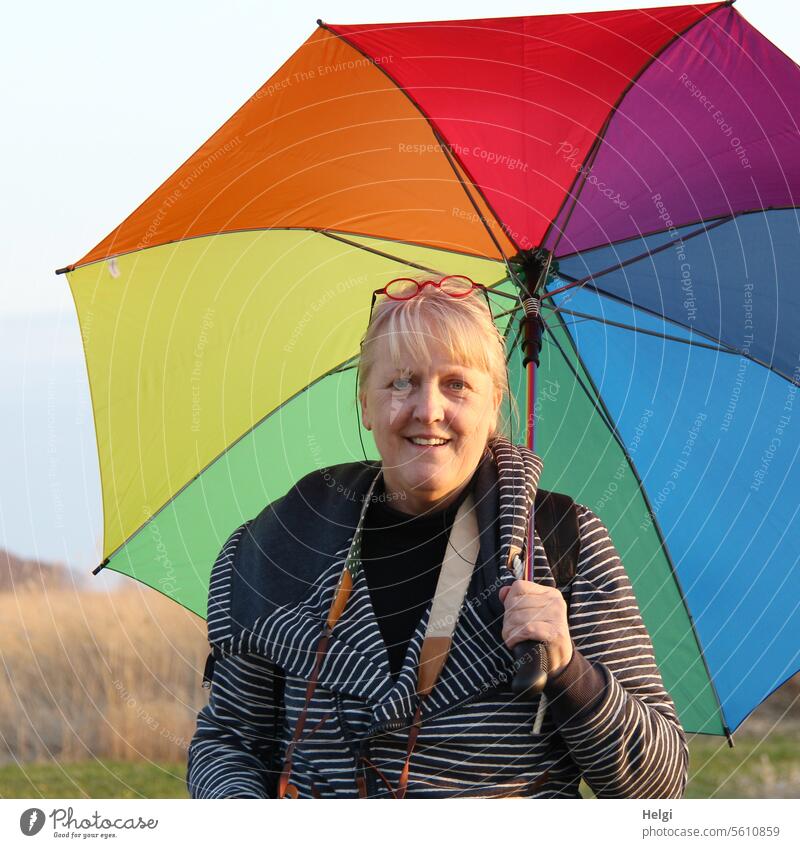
[[451, 588]]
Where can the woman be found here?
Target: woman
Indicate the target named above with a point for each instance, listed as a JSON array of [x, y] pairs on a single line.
[[361, 625]]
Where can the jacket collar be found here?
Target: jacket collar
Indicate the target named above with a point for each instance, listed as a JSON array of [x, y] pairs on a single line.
[[356, 662]]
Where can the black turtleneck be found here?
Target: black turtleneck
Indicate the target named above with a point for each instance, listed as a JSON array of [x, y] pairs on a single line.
[[402, 556]]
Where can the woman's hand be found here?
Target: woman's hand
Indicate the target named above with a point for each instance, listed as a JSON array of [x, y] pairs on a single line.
[[537, 613]]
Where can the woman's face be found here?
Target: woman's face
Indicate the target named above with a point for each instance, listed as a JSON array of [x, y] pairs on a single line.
[[434, 398]]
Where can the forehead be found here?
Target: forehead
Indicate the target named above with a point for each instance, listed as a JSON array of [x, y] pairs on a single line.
[[422, 354]]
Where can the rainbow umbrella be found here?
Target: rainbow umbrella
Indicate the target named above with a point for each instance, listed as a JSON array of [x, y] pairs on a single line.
[[650, 158]]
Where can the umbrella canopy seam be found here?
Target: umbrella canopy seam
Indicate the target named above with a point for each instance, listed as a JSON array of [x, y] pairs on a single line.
[[67, 269], [445, 149], [600, 405], [583, 171]]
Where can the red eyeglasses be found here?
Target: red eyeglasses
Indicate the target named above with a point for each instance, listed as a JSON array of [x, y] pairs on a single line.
[[404, 288]]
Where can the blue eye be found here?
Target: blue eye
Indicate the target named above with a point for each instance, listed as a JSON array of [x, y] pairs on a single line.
[[402, 384]]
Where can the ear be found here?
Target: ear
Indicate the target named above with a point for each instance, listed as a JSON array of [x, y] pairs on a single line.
[[365, 417], [498, 401]]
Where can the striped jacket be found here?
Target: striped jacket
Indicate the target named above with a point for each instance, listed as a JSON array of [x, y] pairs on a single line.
[[271, 588]]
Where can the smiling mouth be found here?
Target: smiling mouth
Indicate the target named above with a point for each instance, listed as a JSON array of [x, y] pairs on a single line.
[[428, 447]]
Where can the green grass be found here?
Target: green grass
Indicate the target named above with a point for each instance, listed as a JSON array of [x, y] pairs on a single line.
[[753, 769], [94, 779], [756, 767]]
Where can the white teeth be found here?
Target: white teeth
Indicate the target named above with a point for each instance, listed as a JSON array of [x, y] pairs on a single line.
[[430, 441]]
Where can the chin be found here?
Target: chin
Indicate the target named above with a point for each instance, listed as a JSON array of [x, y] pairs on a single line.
[[433, 489]]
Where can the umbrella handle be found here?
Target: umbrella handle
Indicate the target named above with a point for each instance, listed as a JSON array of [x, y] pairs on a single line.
[[532, 666], [531, 661]]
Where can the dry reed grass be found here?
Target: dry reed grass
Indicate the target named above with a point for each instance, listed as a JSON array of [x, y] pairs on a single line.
[[117, 675], [90, 674]]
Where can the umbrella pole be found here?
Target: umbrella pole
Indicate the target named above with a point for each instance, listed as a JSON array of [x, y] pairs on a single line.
[[531, 657], [533, 344]]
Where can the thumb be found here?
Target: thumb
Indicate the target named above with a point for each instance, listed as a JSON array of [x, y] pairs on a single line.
[[503, 592]]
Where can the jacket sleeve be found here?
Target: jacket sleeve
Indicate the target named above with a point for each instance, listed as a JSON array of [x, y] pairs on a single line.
[[233, 753], [627, 740]]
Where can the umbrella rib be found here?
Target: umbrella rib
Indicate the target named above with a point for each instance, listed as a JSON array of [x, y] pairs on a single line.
[[69, 268], [354, 234], [444, 146], [228, 448], [635, 329], [449, 156], [576, 283], [593, 399], [377, 252], [730, 348], [644, 234], [346, 365], [492, 288], [599, 404], [409, 263], [581, 177], [584, 283], [580, 181]]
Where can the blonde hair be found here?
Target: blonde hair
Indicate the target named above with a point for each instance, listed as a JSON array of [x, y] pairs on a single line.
[[463, 325]]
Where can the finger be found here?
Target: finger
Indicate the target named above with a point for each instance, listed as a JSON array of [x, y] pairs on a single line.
[[535, 631], [519, 615], [529, 588], [539, 628], [534, 602]]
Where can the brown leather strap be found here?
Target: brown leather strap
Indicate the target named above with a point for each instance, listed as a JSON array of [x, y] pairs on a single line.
[[539, 782], [402, 783], [380, 774], [283, 780]]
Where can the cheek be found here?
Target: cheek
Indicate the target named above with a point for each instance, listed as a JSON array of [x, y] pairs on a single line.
[[481, 409], [479, 421], [389, 412]]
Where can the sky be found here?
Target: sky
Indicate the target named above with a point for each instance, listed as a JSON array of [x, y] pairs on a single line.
[[101, 103]]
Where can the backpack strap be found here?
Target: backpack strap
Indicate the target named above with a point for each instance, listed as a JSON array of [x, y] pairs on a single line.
[[556, 520]]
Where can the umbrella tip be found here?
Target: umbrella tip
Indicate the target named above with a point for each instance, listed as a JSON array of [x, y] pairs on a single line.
[[100, 567], [64, 270], [319, 22]]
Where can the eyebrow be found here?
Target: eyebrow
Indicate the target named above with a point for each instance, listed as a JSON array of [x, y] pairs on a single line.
[[409, 372]]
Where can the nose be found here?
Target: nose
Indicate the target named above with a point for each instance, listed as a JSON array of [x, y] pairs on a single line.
[[428, 403]]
